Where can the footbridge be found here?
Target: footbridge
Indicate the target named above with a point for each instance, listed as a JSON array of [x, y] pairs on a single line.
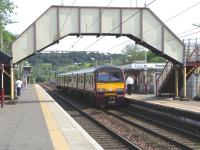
[[138, 24]]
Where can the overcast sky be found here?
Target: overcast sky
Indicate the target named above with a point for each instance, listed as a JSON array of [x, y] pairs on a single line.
[[28, 11]]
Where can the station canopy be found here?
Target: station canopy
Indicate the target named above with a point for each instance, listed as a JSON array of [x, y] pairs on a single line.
[[4, 58], [138, 24]]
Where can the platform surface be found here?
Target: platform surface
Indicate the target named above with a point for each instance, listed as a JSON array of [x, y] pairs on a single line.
[[190, 105], [37, 122]]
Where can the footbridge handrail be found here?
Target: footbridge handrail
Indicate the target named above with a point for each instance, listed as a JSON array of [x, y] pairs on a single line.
[[163, 75]]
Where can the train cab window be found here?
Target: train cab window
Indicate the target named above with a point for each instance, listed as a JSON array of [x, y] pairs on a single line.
[[115, 76], [89, 79], [70, 79], [103, 77], [74, 78]]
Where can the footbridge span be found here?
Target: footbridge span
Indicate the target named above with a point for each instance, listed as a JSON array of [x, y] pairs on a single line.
[[139, 24]]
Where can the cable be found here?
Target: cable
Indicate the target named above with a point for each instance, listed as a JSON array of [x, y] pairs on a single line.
[[182, 11], [98, 17], [76, 42], [117, 26], [120, 44], [92, 23], [170, 19], [67, 15], [150, 3], [175, 38], [132, 40]]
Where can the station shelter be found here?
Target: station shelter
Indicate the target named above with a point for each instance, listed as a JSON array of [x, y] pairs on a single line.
[[5, 76], [144, 75], [26, 73]]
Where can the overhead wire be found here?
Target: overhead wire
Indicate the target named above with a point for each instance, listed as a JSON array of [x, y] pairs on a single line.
[[183, 11], [67, 15], [78, 40], [165, 21], [95, 20], [117, 26], [173, 38], [132, 40]]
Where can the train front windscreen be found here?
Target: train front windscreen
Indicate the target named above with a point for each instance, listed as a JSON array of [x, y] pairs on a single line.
[[105, 76]]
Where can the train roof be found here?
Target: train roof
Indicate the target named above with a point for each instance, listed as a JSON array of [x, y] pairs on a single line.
[[89, 70]]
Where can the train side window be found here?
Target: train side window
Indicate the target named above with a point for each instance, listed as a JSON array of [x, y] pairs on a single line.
[[86, 81], [92, 80], [81, 79], [70, 79]]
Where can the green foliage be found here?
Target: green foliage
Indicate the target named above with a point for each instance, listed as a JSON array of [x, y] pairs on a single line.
[[46, 65], [6, 38], [135, 53], [152, 57], [132, 53], [6, 9], [42, 72]]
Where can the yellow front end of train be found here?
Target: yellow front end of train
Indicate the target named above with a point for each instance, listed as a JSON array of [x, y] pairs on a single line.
[[110, 86], [110, 89]]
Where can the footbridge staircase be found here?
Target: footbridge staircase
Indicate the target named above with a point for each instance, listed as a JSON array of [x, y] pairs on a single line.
[[166, 80]]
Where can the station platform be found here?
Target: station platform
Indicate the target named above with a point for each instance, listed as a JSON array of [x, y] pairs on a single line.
[[188, 106], [36, 122]]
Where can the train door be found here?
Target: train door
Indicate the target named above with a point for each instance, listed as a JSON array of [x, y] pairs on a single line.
[[84, 82]]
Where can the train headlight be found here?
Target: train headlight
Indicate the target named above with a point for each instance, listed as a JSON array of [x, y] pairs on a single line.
[[101, 91], [120, 91]]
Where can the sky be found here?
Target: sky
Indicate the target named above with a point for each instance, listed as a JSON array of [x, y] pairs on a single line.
[[28, 11]]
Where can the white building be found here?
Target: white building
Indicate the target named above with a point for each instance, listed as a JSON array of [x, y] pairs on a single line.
[[145, 75]]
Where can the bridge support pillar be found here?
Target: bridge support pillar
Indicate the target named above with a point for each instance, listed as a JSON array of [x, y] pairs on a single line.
[[197, 81], [12, 83], [2, 86], [176, 84], [184, 83]]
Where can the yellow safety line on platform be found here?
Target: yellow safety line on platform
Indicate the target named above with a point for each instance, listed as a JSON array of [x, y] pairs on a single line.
[[56, 135]]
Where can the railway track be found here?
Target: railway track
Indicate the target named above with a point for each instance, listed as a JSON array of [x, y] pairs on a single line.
[[179, 138], [107, 138], [176, 136]]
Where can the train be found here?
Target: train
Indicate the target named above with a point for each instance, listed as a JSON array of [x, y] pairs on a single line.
[[103, 85]]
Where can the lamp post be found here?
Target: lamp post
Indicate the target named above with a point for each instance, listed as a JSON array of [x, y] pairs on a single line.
[[95, 60], [110, 58]]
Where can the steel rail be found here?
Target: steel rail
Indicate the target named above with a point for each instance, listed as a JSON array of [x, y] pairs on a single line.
[[132, 146]]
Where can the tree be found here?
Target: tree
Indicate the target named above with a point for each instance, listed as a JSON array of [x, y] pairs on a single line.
[[6, 38], [6, 9], [152, 57], [133, 53]]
